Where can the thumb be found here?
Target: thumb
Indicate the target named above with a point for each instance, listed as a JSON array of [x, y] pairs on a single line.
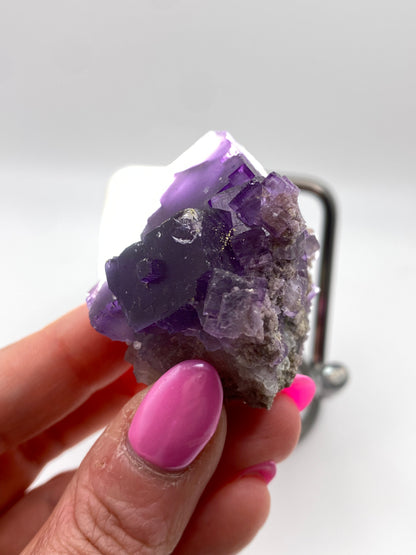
[[138, 486]]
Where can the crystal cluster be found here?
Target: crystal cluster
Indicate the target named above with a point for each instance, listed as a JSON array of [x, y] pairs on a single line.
[[221, 273]]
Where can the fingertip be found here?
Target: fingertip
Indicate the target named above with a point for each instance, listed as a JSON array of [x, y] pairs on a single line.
[[178, 416], [301, 391]]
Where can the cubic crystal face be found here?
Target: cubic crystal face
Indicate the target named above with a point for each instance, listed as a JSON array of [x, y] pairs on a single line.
[[221, 273]]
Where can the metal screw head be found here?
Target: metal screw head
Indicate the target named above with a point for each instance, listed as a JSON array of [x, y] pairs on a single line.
[[333, 377]]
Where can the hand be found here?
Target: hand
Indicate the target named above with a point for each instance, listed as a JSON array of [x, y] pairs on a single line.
[[66, 381]]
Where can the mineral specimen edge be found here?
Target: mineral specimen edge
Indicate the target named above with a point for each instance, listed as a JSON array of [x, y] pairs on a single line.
[[221, 273]]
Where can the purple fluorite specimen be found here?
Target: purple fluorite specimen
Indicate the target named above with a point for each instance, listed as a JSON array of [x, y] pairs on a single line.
[[221, 274]]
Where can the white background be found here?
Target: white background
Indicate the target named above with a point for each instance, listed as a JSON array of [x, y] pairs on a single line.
[[325, 88]]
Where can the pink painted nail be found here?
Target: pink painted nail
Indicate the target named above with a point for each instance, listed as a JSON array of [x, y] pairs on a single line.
[[266, 471], [301, 391], [178, 416]]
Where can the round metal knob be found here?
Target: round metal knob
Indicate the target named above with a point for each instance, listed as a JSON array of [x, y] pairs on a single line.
[[333, 376]]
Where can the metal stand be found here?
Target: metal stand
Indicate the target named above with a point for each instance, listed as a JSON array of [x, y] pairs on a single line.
[[329, 377]]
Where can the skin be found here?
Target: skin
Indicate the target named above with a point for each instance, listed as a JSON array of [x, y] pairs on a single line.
[[59, 385]]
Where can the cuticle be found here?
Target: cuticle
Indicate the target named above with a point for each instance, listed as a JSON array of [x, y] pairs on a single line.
[[143, 465]]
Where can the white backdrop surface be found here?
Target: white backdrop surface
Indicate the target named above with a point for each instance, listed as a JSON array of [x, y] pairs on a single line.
[[317, 87]]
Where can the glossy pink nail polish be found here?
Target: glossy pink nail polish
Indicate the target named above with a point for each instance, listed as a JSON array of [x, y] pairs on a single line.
[[266, 471], [301, 391], [178, 416]]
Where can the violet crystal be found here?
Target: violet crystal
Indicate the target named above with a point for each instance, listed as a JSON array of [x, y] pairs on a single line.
[[221, 273]]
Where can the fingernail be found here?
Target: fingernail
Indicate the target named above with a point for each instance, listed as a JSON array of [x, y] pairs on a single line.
[[301, 391], [178, 416], [266, 471]]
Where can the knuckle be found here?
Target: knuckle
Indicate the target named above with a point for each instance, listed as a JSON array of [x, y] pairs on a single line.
[[112, 526]]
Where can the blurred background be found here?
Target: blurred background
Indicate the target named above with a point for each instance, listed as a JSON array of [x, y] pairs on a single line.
[[321, 88]]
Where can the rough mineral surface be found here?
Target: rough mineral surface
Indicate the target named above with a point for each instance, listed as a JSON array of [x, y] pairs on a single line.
[[221, 274]]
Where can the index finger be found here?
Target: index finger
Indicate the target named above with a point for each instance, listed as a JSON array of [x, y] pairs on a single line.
[[47, 375]]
